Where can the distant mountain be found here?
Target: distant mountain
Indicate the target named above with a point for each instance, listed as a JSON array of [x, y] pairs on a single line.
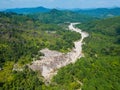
[[100, 12], [28, 10], [61, 16]]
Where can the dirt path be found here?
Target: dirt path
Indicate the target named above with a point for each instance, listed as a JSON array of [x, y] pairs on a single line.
[[53, 60]]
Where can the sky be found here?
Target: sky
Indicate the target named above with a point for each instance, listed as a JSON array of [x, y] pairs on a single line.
[[66, 4]]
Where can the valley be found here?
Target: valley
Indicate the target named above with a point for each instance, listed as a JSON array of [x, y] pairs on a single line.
[[53, 60], [43, 49]]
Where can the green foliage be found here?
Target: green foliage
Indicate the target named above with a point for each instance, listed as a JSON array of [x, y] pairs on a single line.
[[56, 16], [95, 74], [21, 38], [101, 12], [99, 69], [24, 80]]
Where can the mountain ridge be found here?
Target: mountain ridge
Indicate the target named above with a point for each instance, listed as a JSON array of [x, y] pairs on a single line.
[[100, 12], [28, 10], [92, 12]]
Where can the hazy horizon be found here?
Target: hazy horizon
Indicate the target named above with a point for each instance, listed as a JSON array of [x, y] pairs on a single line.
[[59, 8], [71, 4]]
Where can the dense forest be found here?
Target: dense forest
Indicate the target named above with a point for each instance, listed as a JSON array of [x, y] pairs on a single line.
[[100, 12], [57, 16], [22, 36], [99, 69]]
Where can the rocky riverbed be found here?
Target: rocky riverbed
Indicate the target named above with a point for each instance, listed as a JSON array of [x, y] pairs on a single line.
[[53, 60]]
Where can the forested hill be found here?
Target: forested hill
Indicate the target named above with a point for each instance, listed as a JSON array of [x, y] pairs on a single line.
[[99, 69], [101, 12], [95, 12], [57, 16], [28, 10], [110, 26], [21, 38]]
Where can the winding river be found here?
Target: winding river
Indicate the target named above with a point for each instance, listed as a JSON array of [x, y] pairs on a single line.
[[53, 60]]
